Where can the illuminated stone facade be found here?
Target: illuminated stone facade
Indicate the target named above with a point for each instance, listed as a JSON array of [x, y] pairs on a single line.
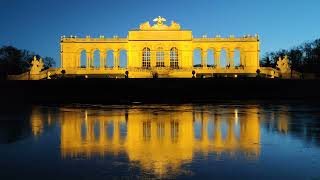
[[167, 51]]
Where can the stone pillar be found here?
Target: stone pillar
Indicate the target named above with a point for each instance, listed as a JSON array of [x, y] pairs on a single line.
[[227, 58], [204, 59], [78, 60], [242, 58], [62, 60], [153, 60], [179, 58], [167, 58], [231, 58], [92, 60], [103, 56], [217, 59], [88, 63], [116, 56]]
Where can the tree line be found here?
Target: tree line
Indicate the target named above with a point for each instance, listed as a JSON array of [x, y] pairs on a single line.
[[304, 58], [15, 61]]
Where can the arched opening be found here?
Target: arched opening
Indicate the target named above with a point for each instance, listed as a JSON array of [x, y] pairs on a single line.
[[237, 57], [223, 58], [174, 58], [160, 57], [210, 58], [83, 59], [96, 59], [146, 57], [197, 57], [110, 59], [123, 58]]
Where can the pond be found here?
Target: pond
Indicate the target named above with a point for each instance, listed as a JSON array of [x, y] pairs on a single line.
[[189, 141]]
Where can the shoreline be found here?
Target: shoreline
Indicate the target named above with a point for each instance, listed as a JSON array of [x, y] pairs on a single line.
[[153, 91]]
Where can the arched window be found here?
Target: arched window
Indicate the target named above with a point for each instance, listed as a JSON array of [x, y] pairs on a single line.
[[110, 59], [146, 56], [174, 58], [123, 61], [160, 57], [197, 57]]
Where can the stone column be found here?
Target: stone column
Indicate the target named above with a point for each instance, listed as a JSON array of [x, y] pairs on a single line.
[[204, 58], [167, 58], [227, 58], [88, 63], [78, 60], [153, 59], [242, 59], [116, 56], [217, 59], [103, 56], [180, 59], [231, 58], [92, 60]]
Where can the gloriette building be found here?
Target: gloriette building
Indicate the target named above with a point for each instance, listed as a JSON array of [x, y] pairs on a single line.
[[161, 50]]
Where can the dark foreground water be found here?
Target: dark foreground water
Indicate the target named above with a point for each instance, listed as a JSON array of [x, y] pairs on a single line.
[[221, 141]]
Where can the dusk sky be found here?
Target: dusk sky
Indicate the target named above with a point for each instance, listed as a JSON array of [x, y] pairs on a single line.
[[38, 24]]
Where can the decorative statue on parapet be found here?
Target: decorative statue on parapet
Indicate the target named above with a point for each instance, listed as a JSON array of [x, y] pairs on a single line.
[[37, 65], [159, 25], [159, 20], [283, 65]]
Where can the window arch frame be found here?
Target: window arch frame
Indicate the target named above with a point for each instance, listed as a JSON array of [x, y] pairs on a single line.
[[146, 57], [160, 57], [174, 58]]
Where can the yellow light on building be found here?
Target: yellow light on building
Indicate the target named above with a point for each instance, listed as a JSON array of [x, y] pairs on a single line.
[[159, 44]]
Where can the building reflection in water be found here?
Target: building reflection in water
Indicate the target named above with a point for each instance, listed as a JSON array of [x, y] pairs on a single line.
[[159, 140], [40, 119]]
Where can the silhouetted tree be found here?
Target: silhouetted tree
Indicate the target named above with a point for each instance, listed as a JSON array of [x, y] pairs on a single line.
[[16, 61], [48, 62], [10, 60], [303, 58], [265, 61]]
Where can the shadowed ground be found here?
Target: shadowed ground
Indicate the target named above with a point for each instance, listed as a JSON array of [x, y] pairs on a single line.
[[122, 91]]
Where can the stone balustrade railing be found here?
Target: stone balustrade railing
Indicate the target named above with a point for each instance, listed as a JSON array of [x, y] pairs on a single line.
[[217, 39], [116, 40]]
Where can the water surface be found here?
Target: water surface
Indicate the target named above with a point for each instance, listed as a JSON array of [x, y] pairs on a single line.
[[229, 141]]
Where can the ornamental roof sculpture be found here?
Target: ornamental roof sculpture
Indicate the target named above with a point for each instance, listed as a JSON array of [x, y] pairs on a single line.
[[160, 25]]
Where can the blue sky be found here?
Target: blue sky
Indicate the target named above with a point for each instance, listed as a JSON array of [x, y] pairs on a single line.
[[37, 25]]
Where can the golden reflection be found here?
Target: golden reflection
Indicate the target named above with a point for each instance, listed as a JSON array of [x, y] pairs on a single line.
[[83, 134], [159, 140], [36, 122], [282, 122]]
